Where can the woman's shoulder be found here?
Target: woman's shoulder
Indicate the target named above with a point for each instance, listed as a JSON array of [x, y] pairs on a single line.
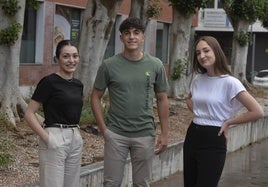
[[233, 82], [197, 76], [231, 79], [77, 81], [48, 78]]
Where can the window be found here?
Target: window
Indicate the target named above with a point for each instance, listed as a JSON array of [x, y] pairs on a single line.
[[66, 25], [110, 50], [210, 4], [219, 4], [161, 50], [75, 26], [214, 4], [28, 40]]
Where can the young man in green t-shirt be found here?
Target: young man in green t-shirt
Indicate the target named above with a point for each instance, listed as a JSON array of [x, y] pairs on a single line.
[[133, 79]]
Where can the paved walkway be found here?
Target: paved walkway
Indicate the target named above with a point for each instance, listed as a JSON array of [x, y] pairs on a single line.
[[247, 167]]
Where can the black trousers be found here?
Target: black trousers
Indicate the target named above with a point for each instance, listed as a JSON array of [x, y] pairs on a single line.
[[204, 155]]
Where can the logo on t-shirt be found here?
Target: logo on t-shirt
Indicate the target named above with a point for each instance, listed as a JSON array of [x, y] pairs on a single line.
[[147, 73]]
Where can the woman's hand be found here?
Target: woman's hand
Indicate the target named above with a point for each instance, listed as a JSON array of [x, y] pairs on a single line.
[[224, 129]]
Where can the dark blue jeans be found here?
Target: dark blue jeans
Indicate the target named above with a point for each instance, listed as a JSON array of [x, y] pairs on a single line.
[[204, 155]]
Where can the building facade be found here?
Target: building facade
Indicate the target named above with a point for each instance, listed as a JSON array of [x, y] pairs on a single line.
[[55, 20], [214, 21]]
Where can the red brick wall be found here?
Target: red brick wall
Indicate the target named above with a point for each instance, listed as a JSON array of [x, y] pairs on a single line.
[[125, 7], [79, 3]]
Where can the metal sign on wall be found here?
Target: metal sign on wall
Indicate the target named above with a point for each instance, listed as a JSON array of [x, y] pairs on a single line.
[[215, 18]]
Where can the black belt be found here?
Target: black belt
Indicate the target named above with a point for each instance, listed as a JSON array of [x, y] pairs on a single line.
[[59, 125]]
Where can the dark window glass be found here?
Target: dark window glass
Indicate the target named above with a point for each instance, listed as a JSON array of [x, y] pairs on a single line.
[[66, 25], [27, 54], [110, 50], [161, 50]]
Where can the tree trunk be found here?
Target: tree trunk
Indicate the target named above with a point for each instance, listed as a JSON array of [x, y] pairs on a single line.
[[97, 24], [11, 100], [139, 10], [179, 50], [239, 53]]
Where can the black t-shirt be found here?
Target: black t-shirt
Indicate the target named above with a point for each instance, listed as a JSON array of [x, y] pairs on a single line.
[[62, 99]]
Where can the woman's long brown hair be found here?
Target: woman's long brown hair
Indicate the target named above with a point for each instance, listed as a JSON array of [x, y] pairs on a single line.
[[221, 65]]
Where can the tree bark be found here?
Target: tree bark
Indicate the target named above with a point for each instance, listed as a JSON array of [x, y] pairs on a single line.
[[139, 10], [239, 53], [179, 50], [11, 100], [97, 24]]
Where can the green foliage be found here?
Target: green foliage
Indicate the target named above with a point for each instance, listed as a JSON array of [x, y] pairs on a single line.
[[263, 17], [10, 7], [154, 10], [179, 69], [3, 120], [247, 10], [242, 38], [9, 35], [33, 3], [265, 23], [6, 158], [87, 116], [188, 7]]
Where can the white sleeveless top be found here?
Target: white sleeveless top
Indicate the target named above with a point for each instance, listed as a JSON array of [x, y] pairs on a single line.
[[214, 98]]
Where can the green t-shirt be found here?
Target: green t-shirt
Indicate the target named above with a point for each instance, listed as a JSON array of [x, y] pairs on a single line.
[[132, 86]]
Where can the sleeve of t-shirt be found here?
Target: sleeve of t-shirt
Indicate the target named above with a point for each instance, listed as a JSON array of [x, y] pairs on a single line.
[[161, 80], [235, 87], [102, 78], [195, 76], [42, 91]]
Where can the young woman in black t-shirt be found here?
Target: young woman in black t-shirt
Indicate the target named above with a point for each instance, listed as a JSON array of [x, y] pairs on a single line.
[[60, 146]]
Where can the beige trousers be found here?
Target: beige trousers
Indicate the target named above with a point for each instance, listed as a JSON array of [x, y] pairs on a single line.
[[60, 160], [116, 150]]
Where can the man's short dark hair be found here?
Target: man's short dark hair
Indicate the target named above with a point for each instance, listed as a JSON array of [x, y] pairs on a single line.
[[132, 22]]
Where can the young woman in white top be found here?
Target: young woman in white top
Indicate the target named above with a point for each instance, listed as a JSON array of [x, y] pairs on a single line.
[[215, 97]]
